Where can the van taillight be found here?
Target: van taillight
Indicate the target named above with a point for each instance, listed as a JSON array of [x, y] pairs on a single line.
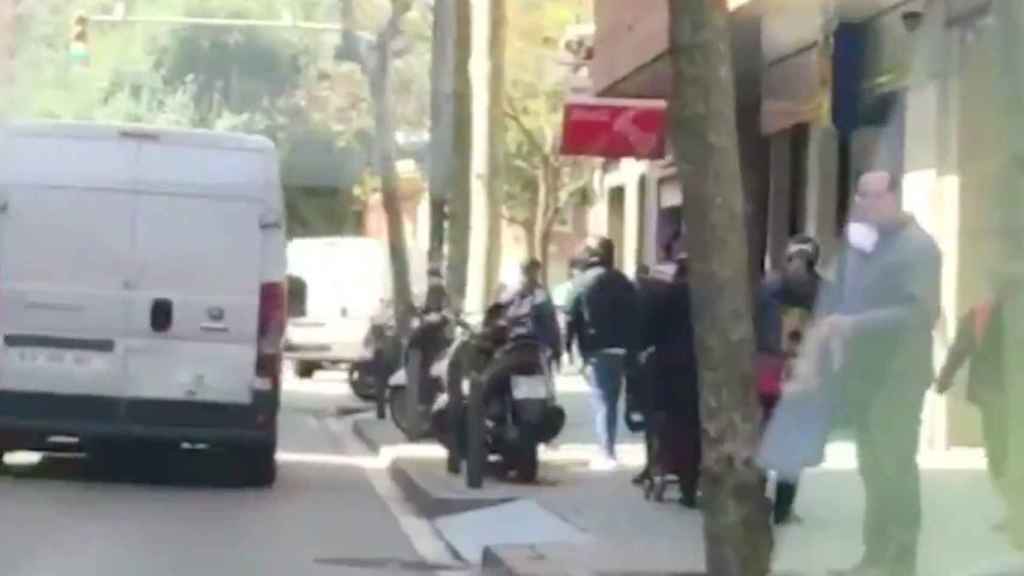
[[273, 317]]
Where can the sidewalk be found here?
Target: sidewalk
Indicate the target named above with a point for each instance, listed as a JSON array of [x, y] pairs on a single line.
[[579, 522]]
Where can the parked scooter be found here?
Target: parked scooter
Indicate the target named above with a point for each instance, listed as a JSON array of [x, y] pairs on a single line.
[[499, 400], [427, 344], [385, 346]]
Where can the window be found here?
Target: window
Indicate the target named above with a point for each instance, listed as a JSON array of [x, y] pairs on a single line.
[[670, 231]]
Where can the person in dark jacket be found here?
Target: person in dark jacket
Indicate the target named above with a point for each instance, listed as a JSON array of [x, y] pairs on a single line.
[[785, 305], [979, 340], [881, 313], [674, 415], [529, 311], [603, 321]]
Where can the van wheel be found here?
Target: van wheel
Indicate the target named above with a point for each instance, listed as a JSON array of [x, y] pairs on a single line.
[[305, 370], [259, 465]]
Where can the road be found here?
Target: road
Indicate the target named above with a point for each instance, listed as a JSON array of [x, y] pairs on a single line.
[[331, 512]]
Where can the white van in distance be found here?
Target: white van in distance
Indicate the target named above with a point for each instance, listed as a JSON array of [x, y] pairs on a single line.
[[345, 283], [142, 289]]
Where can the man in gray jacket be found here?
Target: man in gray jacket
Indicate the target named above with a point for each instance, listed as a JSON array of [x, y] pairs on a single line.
[[881, 313]]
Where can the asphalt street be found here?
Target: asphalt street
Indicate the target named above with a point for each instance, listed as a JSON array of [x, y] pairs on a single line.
[[331, 512]]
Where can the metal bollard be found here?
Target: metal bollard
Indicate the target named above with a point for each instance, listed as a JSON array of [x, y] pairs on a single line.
[[454, 414]]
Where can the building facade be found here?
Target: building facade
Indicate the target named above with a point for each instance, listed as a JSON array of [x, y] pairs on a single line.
[[824, 91]]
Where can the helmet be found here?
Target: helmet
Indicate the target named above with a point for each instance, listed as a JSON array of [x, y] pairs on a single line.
[[805, 246]]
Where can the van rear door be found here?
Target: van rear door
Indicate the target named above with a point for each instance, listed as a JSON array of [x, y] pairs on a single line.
[[65, 255], [193, 316]]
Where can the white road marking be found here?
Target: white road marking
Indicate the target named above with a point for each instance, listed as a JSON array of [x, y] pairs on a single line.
[[424, 537]]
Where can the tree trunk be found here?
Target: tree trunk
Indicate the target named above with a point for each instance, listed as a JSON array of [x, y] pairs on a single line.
[[737, 531], [1008, 203], [545, 252], [530, 230], [459, 198], [385, 156], [442, 82], [496, 149], [547, 187]]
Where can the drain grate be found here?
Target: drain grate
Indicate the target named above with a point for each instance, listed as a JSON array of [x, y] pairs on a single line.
[[391, 565]]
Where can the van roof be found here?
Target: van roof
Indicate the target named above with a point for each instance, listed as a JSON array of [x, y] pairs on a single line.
[[195, 138]]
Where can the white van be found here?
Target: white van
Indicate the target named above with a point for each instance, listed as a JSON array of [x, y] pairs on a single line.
[[142, 293], [346, 281]]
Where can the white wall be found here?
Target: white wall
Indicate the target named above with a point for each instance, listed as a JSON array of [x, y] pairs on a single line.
[[627, 175]]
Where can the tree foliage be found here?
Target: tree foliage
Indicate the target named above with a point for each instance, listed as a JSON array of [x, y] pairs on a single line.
[[540, 184], [281, 82]]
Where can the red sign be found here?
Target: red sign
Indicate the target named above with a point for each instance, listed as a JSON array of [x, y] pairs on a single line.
[[614, 128]]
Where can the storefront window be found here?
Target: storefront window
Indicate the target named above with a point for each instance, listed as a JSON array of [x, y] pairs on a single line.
[[671, 230]]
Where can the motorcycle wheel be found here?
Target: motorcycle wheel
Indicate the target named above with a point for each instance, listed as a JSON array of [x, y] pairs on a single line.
[[363, 383], [397, 406], [476, 451], [527, 463]]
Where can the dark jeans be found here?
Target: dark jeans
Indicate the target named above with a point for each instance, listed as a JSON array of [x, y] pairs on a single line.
[[888, 431], [605, 371], [785, 492]]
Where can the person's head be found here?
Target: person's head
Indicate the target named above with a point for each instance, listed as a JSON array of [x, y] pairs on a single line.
[[531, 273], [878, 198], [802, 254], [600, 250]]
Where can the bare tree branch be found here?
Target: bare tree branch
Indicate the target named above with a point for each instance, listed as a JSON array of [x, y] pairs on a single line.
[[391, 30], [355, 44], [521, 222], [566, 196], [531, 138]]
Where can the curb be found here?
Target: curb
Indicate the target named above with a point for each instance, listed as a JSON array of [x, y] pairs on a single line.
[[426, 503], [429, 505], [518, 561], [360, 432]]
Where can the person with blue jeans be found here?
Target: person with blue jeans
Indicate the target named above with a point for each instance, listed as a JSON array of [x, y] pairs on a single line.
[[604, 316]]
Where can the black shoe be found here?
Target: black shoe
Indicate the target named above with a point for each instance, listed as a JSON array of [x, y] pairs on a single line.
[[642, 478]]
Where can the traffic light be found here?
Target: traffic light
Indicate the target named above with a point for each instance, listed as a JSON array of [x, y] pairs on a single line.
[[78, 49]]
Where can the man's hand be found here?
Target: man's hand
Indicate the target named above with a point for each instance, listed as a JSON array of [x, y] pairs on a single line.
[[943, 384]]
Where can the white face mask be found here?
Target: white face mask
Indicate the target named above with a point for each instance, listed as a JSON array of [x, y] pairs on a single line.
[[861, 236]]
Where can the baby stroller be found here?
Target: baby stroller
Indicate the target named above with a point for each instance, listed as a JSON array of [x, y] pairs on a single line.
[[672, 442]]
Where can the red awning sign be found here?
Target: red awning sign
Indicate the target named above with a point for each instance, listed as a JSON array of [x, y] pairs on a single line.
[[614, 128]]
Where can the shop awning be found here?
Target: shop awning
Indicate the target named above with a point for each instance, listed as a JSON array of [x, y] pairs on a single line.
[[614, 128]]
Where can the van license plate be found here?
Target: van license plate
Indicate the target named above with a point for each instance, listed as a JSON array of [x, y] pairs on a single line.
[[54, 359], [529, 387]]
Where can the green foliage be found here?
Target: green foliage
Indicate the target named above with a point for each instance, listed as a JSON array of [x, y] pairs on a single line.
[[238, 71], [535, 91], [283, 83]]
